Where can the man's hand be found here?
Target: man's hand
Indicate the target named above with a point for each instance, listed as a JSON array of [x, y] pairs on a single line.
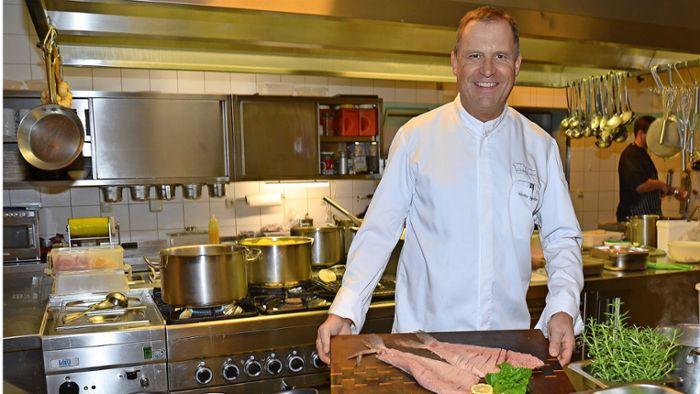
[[334, 325], [561, 337]]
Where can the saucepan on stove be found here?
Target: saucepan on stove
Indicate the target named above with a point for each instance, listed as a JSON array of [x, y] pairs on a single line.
[[204, 275], [328, 246], [283, 261]]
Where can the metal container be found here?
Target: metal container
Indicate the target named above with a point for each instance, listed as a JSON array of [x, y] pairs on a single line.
[[140, 192], [622, 258], [687, 359], [217, 190], [188, 237], [192, 191], [328, 248], [165, 192], [580, 368], [204, 275], [112, 193], [641, 230], [283, 261]]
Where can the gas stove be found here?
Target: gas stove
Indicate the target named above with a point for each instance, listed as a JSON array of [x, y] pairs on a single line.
[[264, 343], [117, 350]]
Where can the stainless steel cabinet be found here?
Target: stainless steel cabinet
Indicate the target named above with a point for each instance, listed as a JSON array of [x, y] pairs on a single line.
[[275, 138], [161, 137]]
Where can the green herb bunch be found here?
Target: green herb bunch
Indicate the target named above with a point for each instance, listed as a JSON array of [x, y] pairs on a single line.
[[510, 380], [621, 354]]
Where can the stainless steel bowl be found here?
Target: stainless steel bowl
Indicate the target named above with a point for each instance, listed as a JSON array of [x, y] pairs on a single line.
[[111, 193], [217, 190], [165, 192], [140, 192], [192, 191]]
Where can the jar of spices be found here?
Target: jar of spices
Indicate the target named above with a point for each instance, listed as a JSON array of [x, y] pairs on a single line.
[[327, 163], [327, 119]]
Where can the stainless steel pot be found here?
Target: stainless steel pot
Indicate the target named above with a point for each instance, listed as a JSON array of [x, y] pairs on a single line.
[[283, 261], [687, 359], [641, 229], [328, 248], [203, 275]]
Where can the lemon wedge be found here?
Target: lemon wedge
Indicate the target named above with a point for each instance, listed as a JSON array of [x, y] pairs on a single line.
[[327, 275], [482, 388]]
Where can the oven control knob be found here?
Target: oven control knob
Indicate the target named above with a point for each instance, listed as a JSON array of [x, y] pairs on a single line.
[[69, 387], [252, 368], [295, 363], [273, 365], [144, 382], [316, 361], [230, 371], [203, 375]]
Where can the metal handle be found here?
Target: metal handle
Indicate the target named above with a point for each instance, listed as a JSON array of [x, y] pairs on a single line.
[[152, 264], [357, 221], [252, 254]]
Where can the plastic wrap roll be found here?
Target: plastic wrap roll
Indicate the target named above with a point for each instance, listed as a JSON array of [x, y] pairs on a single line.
[[88, 227], [263, 200]]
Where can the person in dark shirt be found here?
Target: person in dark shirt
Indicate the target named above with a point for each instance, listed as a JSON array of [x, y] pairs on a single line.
[[640, 187]]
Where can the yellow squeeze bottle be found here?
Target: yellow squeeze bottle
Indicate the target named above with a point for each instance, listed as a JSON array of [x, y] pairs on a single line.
[[213, 230]]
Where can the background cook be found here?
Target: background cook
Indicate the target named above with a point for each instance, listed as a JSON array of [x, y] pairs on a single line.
[[470, 180]]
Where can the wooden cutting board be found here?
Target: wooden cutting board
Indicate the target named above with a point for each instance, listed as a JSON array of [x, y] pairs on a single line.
[[374, 376]]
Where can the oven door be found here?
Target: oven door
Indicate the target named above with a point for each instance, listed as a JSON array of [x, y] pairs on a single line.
[[20, 242]]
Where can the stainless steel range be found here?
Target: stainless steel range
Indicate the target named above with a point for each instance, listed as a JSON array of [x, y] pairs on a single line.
[[120, 350], [264, 344]]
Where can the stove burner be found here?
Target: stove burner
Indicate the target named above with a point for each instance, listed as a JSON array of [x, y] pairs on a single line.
[[182, 315], [307, 296]]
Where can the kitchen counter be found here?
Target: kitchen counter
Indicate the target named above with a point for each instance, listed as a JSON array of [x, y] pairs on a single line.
[[652, 297]]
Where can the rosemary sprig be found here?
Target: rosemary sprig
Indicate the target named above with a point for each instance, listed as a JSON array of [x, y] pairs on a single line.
[[621, 354]]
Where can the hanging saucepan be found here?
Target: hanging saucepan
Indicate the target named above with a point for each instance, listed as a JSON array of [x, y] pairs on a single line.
[[50, 137]]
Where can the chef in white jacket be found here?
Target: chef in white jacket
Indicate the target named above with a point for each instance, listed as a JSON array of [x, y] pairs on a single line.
[[470, 180]]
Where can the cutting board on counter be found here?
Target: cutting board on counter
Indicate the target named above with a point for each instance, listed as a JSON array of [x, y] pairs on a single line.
[[374, 376]]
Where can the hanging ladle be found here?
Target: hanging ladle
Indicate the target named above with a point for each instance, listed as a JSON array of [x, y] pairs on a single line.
[[113, 299]]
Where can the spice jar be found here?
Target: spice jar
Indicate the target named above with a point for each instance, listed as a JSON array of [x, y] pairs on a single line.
[[327, 163]]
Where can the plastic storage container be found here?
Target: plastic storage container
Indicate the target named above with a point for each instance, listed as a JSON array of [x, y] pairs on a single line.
[[110, 257], [672, 230], [348, 121], [94, 281], [368, 121]]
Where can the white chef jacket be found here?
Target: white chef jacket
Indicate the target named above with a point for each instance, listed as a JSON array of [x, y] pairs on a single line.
[[470, 194]]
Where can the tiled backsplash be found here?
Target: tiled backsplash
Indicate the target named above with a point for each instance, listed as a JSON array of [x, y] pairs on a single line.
[[141, 221]]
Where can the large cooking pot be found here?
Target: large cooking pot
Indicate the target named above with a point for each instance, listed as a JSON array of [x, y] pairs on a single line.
[[283, 261], [203, 275], [327, 248], [641, 229]]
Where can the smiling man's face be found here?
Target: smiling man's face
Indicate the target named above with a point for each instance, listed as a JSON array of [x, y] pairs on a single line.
[[485, 65]]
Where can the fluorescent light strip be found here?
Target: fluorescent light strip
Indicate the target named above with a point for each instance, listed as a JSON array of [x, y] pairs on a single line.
[[295, 184]]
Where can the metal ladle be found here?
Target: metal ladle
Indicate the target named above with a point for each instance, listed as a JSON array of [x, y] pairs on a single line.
[[113, 299]]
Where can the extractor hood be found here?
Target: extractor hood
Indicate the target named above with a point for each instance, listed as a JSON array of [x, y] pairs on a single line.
[[377, 39]]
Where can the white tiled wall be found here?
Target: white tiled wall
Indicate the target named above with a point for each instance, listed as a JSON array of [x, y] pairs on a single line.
[[148, 221]]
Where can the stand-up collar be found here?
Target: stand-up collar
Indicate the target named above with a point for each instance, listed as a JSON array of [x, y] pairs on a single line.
[[472, 123]]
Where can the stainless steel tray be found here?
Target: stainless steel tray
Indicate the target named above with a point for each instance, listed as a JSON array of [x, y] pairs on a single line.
[[622, 258], [599, 386]]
